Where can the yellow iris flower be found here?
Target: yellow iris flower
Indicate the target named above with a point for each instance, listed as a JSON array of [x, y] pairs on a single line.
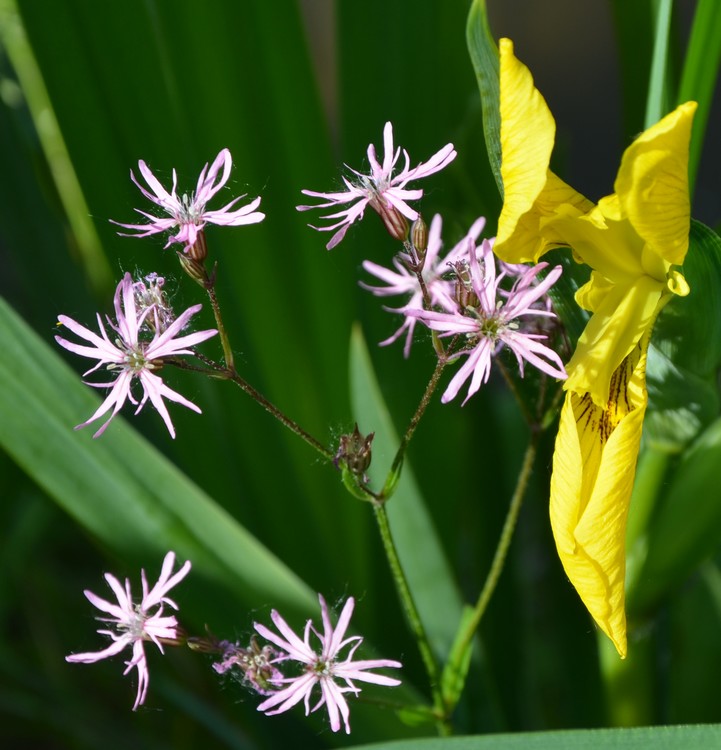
[[631, 240]]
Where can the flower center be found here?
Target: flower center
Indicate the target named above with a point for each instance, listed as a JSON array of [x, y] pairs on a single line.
[[190, 211], [323, 668]]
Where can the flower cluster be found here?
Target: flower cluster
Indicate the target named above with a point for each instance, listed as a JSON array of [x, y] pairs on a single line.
[[435, 273], [264, 668], [466, 299], [135, 624], [143, 335]]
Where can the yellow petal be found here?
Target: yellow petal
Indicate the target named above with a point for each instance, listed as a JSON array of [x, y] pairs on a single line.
[[593, 471], [652, 184], [623, 314], [531, 191]]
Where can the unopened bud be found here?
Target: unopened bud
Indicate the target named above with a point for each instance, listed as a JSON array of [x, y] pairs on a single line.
[[419, 235], [194, 269], [396, 223], [354, 452]]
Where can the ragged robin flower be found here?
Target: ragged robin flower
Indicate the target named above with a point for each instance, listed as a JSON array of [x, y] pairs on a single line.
[[385, 192], [631, 239], [132, 625], [322, 666], [485, 323], [134, 351], [188, 213]]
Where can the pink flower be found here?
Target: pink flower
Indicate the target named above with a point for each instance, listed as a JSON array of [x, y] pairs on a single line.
[[131, 356], [324, 668], [487, 323], [187, 212], [403, 281], [135, 623], [380, 189]]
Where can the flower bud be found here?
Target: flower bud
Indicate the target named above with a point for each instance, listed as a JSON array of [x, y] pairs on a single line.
[[419, 235], [194, 269], [354, 453]]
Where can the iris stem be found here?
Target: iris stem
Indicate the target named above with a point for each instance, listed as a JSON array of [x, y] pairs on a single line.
[[504, 543]]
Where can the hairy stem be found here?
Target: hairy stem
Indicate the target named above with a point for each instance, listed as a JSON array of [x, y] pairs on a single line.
[[413, 617], [504, 542]]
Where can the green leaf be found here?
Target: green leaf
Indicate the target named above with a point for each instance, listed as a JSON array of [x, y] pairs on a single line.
[[680, 403], [119, 487], [694, 626], [484, 56], [429, 575], [700, 71], [686, 528], [686, 350], [657, 97], [706, 737], [688, 330]]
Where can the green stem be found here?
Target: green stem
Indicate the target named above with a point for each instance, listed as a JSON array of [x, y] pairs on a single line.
[[224, 340], [629, 684], [413, 617], [503, 543], [280, 416], [395, 470]]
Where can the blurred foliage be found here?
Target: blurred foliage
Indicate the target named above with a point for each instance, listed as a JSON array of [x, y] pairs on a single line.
[[293, 89]]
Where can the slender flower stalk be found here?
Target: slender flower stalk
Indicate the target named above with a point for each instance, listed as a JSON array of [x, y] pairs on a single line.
[[383, 191], [504, 543], [188, 213], [323, 667], [141, 343], [134, 624]]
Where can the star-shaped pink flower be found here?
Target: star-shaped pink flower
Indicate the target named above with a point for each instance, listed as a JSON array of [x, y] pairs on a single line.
[[188, 213], [132, 355], [134, 624], [325, 667], [381, 189]]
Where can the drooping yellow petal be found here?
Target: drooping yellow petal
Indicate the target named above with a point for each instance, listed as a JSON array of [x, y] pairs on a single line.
[[531, 190], [652, 184], [622, 316], [593, 470]]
